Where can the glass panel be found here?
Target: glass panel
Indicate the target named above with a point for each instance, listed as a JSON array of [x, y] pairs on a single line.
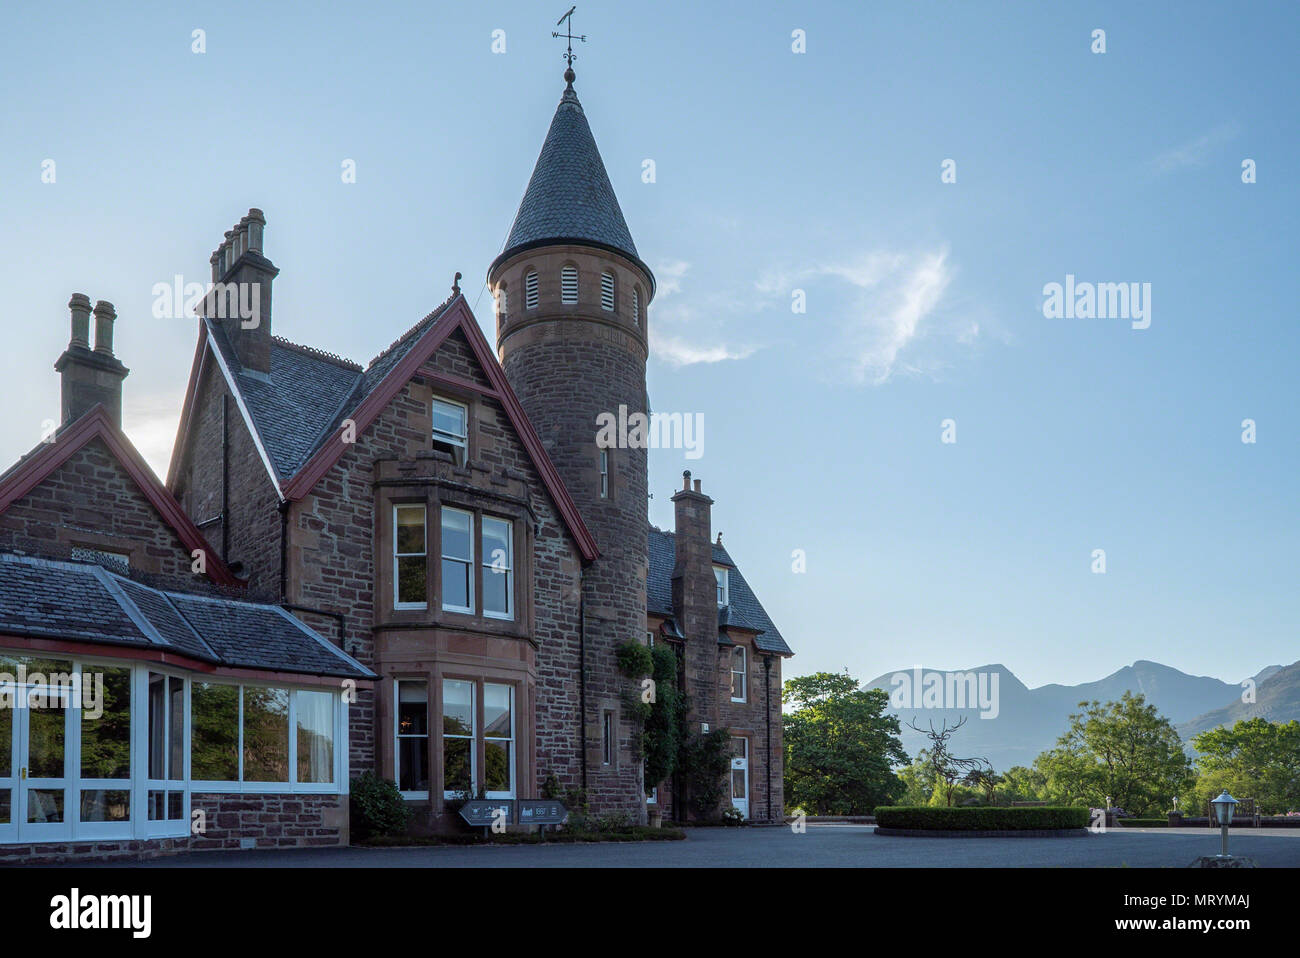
[[266, 734], [411, 576], [449, 418], [315, 721], [175, 806], [6, 804], [410, 529], [738, 783], [157, 725], [497, 563], [44, 805], [456, 535], [496, 768], [455, 584], [176, 729], [457, 707], [413, 762], [458, 731], [214, 738], [45, 739], [455, 764], [496, 542], [105, 805], [496, 711], [105, 727], [157, 806]]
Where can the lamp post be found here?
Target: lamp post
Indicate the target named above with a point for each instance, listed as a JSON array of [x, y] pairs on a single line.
[[1224, 806]]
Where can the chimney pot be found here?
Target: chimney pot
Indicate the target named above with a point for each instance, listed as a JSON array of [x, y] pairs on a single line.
[[215, 260], [229, 247], [79, 304], [697, 485], [256, 229], [686, 480], [104, 317], [242, 232]]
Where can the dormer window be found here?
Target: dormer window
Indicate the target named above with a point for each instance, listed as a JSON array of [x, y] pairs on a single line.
[[607, 291], [720, 576], [530, 290], [569, 285], [451, 429]]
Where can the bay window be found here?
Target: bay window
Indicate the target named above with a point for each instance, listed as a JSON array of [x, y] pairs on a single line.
[[315, 729], [266, 734]]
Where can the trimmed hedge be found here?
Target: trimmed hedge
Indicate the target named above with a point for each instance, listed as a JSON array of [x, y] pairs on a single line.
[[980, 818], [1144, 822]]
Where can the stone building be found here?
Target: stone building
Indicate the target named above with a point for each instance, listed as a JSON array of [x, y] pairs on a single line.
[[437, 529]]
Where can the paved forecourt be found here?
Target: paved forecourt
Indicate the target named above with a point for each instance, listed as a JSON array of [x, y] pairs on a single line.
[[832, 846]]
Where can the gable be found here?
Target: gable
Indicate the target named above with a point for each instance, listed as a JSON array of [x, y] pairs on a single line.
[[446, 347], [91, 489]]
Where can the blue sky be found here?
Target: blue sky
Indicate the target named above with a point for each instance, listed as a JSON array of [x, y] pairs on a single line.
[[775, 171]]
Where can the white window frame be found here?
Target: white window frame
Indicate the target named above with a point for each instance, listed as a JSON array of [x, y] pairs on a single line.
[[457, 442], [489, 567], [608, 291], [743, 673], [467, 562], [473, 734], [415, 794], [569, 285], [397, 603], [531, 297], [140, 784], [722, 581], [513, 761]]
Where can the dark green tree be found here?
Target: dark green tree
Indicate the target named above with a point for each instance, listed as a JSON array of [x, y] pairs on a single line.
[[1125, 750], [840, 746]]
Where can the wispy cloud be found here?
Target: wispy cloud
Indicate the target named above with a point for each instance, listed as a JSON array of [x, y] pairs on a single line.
[[688, 328], [897, 295], [1195, 152]]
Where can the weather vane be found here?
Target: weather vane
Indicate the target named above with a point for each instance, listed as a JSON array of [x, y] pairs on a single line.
[[567, 22]]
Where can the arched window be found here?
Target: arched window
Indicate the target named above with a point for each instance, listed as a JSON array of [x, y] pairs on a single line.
[[607, 291], [530, 290], [636, 306], [569, 285], [503, 304]]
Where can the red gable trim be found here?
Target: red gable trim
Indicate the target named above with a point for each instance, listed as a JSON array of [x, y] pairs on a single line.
[[456, 316], [96, 425]]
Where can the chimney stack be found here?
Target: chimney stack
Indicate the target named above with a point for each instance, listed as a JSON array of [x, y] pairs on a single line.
[[694, 591], [90, 377], [241, 297]]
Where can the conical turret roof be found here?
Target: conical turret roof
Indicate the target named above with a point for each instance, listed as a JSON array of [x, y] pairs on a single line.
[[569, 197]]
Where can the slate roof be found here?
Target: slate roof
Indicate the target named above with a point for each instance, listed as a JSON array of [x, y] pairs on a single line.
[[45, 598], [569, 197], [743, 609], [308, 392]]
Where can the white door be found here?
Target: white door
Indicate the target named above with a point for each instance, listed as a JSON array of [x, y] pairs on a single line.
[[39, 796], [740, 774]]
